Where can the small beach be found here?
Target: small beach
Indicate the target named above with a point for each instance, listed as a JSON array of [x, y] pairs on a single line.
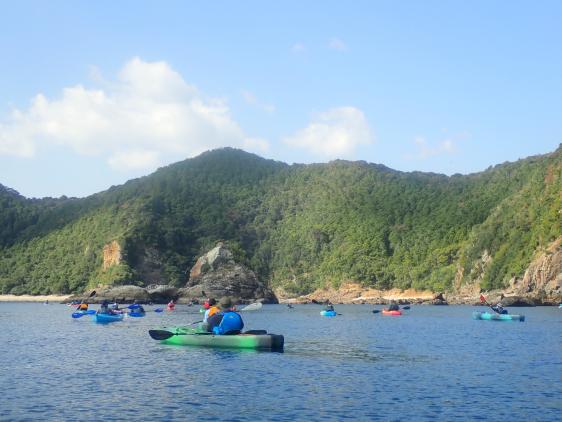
[[31, 298]]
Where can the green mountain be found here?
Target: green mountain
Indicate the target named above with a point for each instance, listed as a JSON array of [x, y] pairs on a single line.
[[298, 226]]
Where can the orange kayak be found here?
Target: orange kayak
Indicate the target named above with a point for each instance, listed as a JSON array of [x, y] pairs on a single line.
[[393, 313]]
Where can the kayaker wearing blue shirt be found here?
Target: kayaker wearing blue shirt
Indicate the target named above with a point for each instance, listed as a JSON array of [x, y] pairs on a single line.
[[227, 321]]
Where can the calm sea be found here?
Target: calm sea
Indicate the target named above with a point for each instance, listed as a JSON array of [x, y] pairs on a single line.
[[433, 363]]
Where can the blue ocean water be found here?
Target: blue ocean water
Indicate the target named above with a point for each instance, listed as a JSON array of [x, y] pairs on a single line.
[[432, 363]]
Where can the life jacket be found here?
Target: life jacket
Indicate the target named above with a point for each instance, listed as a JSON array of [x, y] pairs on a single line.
[[83, 307], [231, 324], [212, 310]]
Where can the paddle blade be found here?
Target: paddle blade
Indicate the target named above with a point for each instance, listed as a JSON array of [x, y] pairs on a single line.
[[252, 307], [81, 314], [406, 307], [159, 310], [482, 299], [376, 311], [160, 334]]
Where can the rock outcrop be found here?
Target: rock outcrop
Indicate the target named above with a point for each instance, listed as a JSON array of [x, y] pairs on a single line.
[[351, 292], [111, 254], [540, 285], [119, 294], [216, 274]]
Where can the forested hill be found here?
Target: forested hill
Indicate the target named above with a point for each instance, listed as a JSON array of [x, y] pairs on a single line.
[[298, 226]]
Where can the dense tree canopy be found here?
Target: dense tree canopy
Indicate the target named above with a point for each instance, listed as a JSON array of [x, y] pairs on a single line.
[[299, 226]]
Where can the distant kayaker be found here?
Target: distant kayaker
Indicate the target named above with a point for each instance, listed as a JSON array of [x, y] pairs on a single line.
[[227, 321], [393, 306], [82, 307], [171, 305], [211, 309], [104, 308], [329, 307], [499, 309], [136, 307]]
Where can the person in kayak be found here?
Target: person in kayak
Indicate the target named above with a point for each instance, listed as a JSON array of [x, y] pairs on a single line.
[[227, 321], [499, 309], [171, 305], [393, 306], [104, 308], [82, 307], [136, 307], [329, 307], [212, 309]]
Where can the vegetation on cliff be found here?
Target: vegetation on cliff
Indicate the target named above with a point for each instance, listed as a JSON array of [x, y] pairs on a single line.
[[298, 226]]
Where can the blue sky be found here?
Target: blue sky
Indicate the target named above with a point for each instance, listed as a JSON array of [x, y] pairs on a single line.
[[96, 93]]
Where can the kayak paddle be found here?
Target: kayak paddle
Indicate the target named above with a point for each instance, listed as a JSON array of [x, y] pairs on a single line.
[[159, 310], [406, 307], [252, 307], [81, 314], [483, 300], [160, 334]]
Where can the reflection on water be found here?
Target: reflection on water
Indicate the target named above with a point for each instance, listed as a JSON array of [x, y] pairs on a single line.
[[433, 363]]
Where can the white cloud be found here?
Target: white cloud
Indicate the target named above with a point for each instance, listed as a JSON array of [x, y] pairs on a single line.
[[337, 44], [298, 48], [335, 133], [251, 99], [424, 150], [148, 117]]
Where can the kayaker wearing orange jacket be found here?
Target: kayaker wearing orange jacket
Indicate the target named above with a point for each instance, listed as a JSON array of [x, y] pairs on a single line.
[[211, 310]]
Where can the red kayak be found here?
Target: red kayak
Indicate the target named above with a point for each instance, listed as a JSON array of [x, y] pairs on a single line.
[[393, 313]]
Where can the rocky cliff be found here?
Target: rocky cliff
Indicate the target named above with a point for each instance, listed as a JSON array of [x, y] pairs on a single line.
[[216, 274], [540, 285]]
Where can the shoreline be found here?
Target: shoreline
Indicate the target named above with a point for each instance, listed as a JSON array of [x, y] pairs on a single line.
[[32, 298]]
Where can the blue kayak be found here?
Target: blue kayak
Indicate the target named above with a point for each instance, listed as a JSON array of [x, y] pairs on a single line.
[[487, 316], [137, 314], [106, 318], [328, 313]]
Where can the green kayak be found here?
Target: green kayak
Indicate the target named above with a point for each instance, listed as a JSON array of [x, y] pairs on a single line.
[[497, 317], [189, 336]]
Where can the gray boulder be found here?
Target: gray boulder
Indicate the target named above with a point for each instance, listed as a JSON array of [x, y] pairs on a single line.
[[216, 274]]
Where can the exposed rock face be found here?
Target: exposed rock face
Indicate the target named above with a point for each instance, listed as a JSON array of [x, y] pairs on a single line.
[[162, 293], [542, 281], [111, 254], [540, 285], [212, 260], [355, 293], [215, 274], [119, 294]]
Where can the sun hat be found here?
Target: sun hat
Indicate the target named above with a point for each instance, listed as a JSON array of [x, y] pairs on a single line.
[[226, 303]]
